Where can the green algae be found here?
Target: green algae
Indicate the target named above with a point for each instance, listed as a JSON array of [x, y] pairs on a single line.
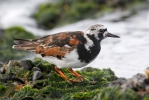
[[61, 12], [116, 93], [2, 89], [52, 86], [26, 91]]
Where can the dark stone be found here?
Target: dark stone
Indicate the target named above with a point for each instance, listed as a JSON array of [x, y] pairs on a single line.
[[25, 64], [118, 82], [40, 66], [10, 76], [18, 80], [2, 69], [37, 74]]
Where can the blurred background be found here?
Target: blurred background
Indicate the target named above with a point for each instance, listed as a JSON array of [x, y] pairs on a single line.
[[127, 18]]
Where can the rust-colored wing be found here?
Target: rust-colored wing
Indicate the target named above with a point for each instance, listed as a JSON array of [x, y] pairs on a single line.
[[58, 45]]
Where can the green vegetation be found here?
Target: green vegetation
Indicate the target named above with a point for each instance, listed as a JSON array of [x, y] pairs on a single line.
[[63, 12], [17, 84], [51, 85], [116, 93], [6, 43]]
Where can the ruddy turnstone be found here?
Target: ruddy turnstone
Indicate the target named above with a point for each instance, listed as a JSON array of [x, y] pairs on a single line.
[[68, 49]]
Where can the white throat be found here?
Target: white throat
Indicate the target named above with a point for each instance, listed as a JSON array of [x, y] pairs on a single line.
[[89, 42]]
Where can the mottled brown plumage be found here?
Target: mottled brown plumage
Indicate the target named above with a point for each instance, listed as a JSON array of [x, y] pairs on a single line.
[[57, 45]]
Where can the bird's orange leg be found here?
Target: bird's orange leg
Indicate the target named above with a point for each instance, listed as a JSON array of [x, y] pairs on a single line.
[[61, 73], [77, 75]]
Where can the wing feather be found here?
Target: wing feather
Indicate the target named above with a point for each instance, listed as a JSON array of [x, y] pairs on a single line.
[[58, 45]]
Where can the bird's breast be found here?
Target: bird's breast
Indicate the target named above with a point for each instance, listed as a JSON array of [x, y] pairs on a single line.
[[88, 55]]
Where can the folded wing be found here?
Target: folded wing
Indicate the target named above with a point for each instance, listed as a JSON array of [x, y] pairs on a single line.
[[57, 45]]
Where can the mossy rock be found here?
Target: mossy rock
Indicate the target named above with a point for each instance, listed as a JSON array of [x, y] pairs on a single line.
[[47, 16], [61, 12], [116, 93], [52, 14], [52, 85], [6, 43]]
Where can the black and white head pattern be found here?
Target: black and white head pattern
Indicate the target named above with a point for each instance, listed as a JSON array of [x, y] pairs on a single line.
[[98, 31]]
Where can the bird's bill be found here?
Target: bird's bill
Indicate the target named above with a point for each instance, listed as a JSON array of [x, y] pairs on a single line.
[[112, 35]]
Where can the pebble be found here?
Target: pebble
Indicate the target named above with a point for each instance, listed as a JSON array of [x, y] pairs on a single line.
[[139, 83], [37, 74], [25, 65]]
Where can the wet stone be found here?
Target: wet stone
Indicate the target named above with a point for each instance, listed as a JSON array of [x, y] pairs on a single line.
[[1, 64], [37, 74], [135, 81], [2, 69], [10, 76], [118, 82], [26, 64], [40, 66], [138, 79], [7, 77], [17, 80]]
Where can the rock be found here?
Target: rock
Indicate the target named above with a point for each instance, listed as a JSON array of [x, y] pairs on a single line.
[[37, 74], [2, 69], [136, 82], [19, 81], [25, 64], [35, 84], [138, 79], [13, 77], [10, 76], [117, 82], [50, 15]]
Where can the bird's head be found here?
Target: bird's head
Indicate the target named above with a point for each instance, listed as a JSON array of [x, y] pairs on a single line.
[[99, 32]]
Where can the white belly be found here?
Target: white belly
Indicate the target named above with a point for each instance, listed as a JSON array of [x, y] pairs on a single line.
[[70, 61]]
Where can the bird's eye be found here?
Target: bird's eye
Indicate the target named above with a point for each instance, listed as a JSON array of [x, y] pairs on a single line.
[[92, 29], [105, 29]]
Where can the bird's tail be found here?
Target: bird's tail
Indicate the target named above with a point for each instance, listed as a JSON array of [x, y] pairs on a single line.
[[22, 44]]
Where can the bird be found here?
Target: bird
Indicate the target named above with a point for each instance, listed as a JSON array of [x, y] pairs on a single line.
[[70, 49]]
